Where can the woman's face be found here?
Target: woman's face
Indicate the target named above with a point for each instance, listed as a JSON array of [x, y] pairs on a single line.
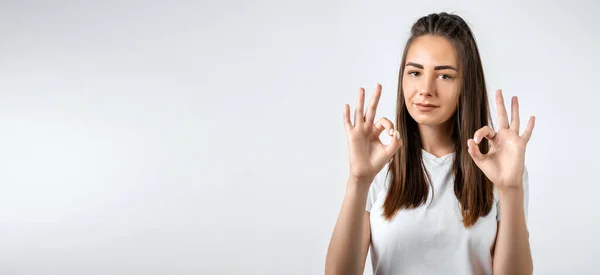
[[431, 81]]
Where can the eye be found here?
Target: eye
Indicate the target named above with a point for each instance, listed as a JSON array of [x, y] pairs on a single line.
[[413, 73], [445, 76]]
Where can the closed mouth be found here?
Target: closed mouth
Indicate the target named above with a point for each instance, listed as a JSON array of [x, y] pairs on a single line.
[[425, 105]]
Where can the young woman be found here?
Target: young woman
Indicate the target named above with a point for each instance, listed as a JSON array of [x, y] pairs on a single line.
[[448, 194]]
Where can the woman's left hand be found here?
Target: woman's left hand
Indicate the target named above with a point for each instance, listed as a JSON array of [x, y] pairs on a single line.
[[504, 164]]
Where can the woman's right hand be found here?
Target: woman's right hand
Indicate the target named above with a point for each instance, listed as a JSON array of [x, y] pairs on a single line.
[[368, 155]]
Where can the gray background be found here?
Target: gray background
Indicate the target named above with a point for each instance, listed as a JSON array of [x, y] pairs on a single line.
[[170, 137]]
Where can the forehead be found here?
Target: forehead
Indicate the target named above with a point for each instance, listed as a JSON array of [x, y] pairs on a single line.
[[430, 50]]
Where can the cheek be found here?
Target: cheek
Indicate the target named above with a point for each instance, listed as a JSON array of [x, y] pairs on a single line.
[[407, 98], [450, 98], [408, 90], [451, 105], [448, 92]]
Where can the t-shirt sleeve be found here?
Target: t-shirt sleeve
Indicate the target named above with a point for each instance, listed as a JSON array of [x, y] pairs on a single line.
[[376, 187], [525, 196]]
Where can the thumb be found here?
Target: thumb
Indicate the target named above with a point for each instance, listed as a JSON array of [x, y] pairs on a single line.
[[474, 151], [394, 145]]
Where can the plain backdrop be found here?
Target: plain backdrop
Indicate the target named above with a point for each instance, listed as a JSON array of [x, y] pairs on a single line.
[[173, 137]]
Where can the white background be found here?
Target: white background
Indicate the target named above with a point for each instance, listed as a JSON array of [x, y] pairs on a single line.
[[164, 137]]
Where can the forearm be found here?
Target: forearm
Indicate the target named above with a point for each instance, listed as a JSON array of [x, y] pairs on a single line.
[[344, 255], [512, 254]]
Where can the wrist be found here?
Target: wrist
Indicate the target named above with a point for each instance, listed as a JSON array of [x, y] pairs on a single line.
[[359, 183], [511, 191]]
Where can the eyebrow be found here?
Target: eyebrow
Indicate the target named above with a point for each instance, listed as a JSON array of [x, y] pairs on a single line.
[[441, 67]]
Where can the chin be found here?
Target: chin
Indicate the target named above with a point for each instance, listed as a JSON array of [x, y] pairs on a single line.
[[428, 120]]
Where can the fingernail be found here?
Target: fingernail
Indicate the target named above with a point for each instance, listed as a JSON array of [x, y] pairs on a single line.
[[397, 135], [391, 132], [475, 139], [468, 144]]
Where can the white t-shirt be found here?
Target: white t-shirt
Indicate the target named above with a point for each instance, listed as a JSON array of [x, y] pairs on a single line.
[[432, 239]]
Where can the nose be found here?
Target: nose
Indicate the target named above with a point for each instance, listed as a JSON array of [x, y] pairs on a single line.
[[427, 92], [427, 88]]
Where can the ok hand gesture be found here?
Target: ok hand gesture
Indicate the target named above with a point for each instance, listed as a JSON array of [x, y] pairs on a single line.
[[368, 155]]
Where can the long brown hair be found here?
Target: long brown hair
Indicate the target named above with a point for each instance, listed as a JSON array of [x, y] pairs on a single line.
[[409, 186]]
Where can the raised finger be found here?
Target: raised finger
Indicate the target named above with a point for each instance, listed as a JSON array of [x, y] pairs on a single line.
[[514, 116], [359, 111], [372, 109], [501, 109], [347, 122], [529, 129]]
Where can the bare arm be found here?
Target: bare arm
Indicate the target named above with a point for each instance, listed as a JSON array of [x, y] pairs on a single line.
[[349, 243], [504, 165], [512, 254]]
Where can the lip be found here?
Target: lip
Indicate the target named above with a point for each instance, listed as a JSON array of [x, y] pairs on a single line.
[[425, 107]]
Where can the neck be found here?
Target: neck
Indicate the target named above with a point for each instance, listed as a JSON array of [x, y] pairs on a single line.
[[436, 139]]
